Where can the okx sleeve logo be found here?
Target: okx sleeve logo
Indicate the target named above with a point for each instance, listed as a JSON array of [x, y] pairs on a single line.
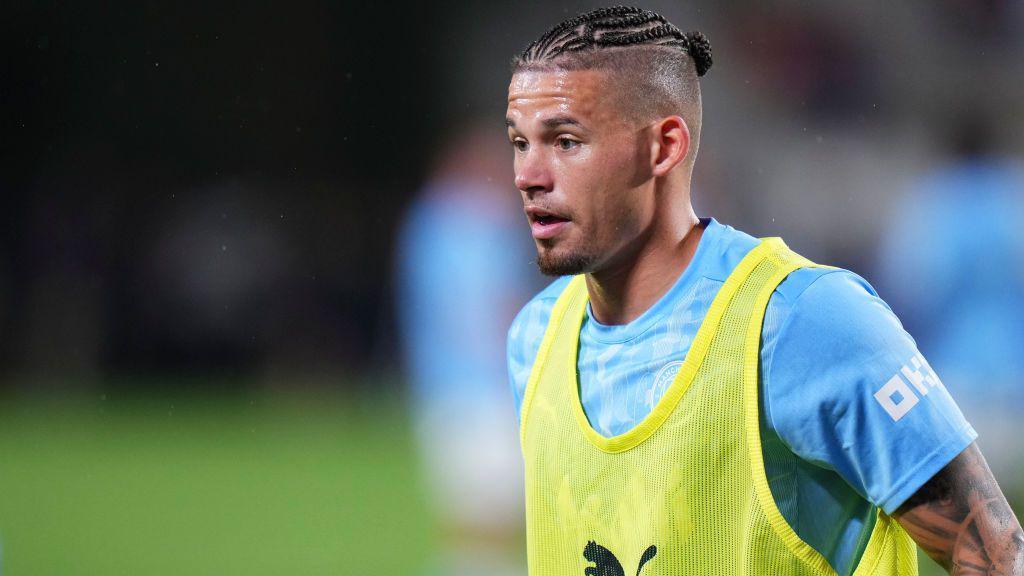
[[897, 397]]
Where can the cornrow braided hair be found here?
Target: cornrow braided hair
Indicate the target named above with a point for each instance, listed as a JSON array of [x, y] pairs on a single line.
[[617, 26]]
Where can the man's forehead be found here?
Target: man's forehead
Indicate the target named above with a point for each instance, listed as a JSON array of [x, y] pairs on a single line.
[[537, 94], [574, 84]]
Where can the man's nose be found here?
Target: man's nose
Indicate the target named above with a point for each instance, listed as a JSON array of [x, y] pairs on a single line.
[[533, 174]]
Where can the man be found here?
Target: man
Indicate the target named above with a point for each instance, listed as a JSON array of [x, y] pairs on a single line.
[[693, 400], [449, 310]]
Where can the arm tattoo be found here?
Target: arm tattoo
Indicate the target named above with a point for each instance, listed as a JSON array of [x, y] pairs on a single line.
[[961, 519]]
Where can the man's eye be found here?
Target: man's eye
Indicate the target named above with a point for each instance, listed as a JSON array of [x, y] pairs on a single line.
[[519, 145], [567, 143]]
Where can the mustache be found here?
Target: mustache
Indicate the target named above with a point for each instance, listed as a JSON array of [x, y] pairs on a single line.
[[534, 210]]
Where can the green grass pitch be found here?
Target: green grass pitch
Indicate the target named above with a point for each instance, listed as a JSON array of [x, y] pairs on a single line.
[[228, 485]]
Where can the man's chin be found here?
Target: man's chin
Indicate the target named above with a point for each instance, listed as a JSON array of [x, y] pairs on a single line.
[[552, 263]]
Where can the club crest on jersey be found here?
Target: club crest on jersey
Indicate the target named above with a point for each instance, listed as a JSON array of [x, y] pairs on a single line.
[[606, 564], [662, 380]]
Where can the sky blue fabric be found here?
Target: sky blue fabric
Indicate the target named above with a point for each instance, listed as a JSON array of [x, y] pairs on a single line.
[[832, 449], [463, 269], [969, 216]]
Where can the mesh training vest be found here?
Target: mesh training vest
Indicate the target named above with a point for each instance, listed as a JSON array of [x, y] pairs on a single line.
[[684, 493]]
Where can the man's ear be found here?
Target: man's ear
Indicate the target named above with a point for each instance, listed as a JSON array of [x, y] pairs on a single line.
[[669, 145]]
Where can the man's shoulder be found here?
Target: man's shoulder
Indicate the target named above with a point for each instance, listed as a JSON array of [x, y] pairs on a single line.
[[828, 294], [819, 284], [731, 245], [526, 333], [537, 311], [736, 244]]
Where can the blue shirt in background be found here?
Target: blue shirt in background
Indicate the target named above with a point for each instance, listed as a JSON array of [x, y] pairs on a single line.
[[464, 267], [969, 217], [852, 415]]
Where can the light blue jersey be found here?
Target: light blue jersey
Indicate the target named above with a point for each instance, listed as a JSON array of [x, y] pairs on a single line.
[[852, 415]]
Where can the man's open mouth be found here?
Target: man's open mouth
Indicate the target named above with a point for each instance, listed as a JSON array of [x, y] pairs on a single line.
[[544, 217], [549, 219], [545, 224]]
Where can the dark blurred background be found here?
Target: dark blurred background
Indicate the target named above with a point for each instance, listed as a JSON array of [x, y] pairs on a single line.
[[202, 212]]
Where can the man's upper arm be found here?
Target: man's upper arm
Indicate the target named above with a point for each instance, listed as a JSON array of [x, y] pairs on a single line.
[[847, 389], [961, 519]]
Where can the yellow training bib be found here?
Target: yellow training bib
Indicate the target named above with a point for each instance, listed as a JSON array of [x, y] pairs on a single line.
[[684, 493]]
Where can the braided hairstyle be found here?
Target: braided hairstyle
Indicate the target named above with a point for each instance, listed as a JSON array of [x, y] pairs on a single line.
[[654, 66], [617, 26]]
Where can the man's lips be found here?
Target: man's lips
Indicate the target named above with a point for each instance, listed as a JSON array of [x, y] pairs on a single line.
[[545, 224]]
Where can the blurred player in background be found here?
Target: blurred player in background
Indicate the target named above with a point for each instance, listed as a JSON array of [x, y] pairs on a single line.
[[465, 269], [694, 400], [953, 262]]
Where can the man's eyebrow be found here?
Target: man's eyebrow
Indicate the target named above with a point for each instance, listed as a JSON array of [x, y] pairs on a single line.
[[552, 122], [557, 121]]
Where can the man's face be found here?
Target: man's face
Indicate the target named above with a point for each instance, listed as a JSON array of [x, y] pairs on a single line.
[[582, 165]]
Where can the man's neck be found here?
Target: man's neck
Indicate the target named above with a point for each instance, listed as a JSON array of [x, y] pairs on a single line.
[[620, 293]]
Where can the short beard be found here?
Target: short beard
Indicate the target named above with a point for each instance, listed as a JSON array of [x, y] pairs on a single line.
[[567, 265]]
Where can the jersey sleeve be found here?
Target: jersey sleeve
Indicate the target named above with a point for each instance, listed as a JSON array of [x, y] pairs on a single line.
[[525, 335], [847, 389]]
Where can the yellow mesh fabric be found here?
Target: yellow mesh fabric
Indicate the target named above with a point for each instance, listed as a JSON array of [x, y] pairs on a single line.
[[684, 492]]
